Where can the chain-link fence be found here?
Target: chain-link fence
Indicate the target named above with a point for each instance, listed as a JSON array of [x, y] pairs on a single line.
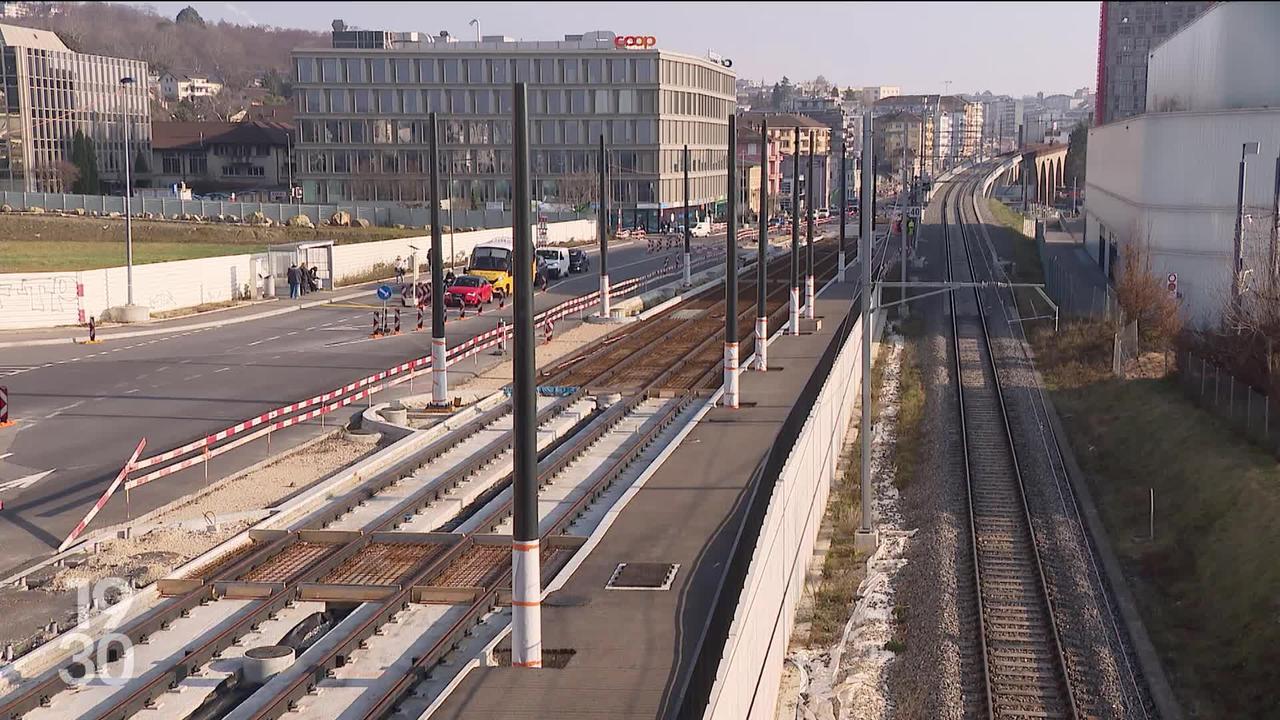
[[1249, 410], [1124, 348]]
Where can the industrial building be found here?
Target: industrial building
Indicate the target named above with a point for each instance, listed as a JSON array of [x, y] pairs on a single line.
[[1168, 179], [362, 102], [50, 92]]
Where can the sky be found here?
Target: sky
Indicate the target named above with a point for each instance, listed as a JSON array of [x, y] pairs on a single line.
[[1015, 48]]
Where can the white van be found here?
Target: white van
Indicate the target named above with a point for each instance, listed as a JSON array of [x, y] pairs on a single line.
[[556, 259], [701, 230]]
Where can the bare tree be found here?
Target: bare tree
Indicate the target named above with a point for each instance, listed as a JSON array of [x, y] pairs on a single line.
[[579, 188], [1143, 296]]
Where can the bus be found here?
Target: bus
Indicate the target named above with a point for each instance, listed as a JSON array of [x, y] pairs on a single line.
[[492, 260]]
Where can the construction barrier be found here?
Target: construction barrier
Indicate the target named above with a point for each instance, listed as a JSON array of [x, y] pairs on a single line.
[[4, 407], [124, 471]]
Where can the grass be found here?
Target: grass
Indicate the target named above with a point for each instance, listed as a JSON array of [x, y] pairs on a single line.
[[911, 397], [41, 243], [195, 310], [1208, 586]]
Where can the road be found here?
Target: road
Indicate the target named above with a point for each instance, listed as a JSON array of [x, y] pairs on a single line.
[[83, 408]]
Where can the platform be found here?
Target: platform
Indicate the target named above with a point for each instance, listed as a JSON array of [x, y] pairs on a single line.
[[633, 646]]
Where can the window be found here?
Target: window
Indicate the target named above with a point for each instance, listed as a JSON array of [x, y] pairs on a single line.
[[411, 100], [435, 101], [571, 132], [381, 70], [452, 70], [458, 102], [314, 101], [171, 163], [602, 104], [453, 132], [362, 100], [626, 101], [618, 70], [478, 132], [555, 100], [359, 131], [475, 70], [498, 71], [338, 101], [403, 70], [568, 70], [404, 132], [387, 101], [427, 70], [329, 70], [355, 70], [502, 132], [595, 70], [577, 102], [198, 164], [342, 162], [483, 101], [306, 70], [382, 132], [545, 70], [522, 69], [333, 131]]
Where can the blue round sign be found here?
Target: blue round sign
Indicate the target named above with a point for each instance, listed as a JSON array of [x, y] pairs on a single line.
[[384, 292]]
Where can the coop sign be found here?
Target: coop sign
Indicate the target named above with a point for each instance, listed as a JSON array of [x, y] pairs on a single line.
[[634, 42]]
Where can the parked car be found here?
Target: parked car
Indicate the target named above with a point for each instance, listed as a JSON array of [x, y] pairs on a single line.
[[578, 261], [822, 213], [469, 290], [557, 261]]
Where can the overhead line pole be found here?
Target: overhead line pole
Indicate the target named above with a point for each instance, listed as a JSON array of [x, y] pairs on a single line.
[[731, 275], [795, 234], [762, 254], [439, 350]]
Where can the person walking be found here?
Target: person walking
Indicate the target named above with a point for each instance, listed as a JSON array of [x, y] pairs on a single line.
[[295, 279], [304, 274], [400, 269], [313, 278]]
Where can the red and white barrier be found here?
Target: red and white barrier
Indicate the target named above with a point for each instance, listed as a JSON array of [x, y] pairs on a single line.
[[128, 466], [4, 407]]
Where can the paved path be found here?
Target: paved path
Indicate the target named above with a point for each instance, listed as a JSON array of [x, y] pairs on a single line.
[[1075, 280]]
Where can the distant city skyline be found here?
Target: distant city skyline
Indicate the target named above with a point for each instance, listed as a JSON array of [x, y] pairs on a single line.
[[975, 46]]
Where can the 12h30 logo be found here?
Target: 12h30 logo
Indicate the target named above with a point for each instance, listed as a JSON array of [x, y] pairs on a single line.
[[108, 660]]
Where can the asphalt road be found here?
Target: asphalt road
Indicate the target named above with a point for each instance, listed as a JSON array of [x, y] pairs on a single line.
[[83, 408]]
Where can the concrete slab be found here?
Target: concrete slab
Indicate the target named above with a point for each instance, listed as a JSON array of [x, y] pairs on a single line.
[[633, 647]]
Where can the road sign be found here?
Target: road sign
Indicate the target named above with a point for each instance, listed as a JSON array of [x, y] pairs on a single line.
[[4, 406], [296, 192], [542, 228], [384, 292]]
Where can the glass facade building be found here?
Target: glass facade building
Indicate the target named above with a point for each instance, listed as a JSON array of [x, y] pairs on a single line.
[[50, 92], [362, 121]]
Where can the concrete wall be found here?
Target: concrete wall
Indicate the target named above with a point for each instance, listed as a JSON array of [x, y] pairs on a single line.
[[1168, 182], [40, 300], [748, 679], [34, 300]]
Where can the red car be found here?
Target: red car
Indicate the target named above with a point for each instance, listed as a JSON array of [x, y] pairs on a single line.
[[469, 290]]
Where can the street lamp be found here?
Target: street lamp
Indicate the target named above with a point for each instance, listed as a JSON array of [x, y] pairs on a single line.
[[1246, 149], [125, 84]]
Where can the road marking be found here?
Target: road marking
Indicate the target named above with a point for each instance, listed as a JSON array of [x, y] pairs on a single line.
[[130, 392], [5, 455], [273, 337], [193, 377], [259, 342], [25, 482], [162, 369], [221, 370], [295, 332], [8, 370]]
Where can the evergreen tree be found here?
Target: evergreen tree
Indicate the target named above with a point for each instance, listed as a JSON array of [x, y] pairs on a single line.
[[189, 16], [1077, 149], [85, 158]]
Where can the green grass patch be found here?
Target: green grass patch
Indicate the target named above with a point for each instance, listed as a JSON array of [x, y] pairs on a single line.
[[59, 255], [1208, 586], [911, 397]]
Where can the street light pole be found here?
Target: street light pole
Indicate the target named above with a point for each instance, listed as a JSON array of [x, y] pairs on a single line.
[[125, 83]]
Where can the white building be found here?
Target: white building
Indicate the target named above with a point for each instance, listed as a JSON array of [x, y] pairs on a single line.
[[1168, 180], [176, 87]]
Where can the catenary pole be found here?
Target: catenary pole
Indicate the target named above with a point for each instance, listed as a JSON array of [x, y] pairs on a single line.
[[864, 256], [602, 223], [731, 274], [687, 230], [844, 207], [795, 234], [439, 353], [809, 184], [526, 590], [762, 254]]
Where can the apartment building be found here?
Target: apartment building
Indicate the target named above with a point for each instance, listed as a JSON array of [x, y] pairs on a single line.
[[362, 128], [1127, 32]]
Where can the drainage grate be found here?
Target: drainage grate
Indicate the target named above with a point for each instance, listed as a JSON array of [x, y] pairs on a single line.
[[643, 576]]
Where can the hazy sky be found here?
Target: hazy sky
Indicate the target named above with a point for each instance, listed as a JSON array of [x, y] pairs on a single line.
[[1006, 47]]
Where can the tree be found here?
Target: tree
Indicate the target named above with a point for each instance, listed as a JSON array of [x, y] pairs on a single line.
[[1143, 295], [1077, 148], [277, 84], [782, 92], [189, 16], [85, 160], [850, 94], [67, 175], [140, 164]]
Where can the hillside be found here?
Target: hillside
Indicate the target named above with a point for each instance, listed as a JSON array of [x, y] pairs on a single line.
[[235, 54]]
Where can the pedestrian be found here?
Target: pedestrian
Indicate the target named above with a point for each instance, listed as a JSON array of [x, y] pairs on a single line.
[[399, 269], [313, 278], [295, 277], [304, 276]]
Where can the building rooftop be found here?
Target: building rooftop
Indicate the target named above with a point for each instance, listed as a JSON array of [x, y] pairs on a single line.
[[779, 120], [197, 135], [16, 36], [948, 102]]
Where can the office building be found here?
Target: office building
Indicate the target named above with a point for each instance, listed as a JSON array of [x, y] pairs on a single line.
[[362, 105], [51, 92], [1127, 32], [957, 126]]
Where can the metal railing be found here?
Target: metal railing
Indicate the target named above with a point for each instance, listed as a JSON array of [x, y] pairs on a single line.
[[1251, 411]]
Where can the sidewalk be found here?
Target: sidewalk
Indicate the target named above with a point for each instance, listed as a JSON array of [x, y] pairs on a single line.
[[1074, 278], [248, 312]]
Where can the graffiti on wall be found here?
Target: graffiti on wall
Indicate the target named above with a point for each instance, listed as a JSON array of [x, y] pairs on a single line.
[[56, 294]]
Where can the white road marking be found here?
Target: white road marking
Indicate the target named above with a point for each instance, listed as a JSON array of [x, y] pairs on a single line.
[[5, 455], [8, 370], [295, 332], [130, 392], [255, 342], [25, 482], [221, 370], [193, 377]]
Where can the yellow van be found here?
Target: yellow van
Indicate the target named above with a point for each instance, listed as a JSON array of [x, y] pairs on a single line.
[[492, 260]]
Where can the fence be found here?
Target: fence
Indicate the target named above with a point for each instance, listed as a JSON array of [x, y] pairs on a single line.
[[1124, 347], [377, 213], [1074, 295], [1247, 409]]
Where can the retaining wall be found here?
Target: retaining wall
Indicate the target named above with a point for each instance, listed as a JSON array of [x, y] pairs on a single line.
[[749, 674]]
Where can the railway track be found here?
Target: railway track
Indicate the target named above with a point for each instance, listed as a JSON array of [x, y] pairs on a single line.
[[374, 537], [1025, 670]]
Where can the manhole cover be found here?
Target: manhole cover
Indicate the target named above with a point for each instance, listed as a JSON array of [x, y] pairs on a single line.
[[643, 576]]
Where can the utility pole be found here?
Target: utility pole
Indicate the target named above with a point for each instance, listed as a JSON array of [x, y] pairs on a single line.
[[1273, 272], [865, 540], [439, 354], [762, 254], [906, 197], [808, 207], [125, 84], [1247, 149], [602, 221], [795, 234], [526, 581], [731, 275], [687, 230], [844, 206]]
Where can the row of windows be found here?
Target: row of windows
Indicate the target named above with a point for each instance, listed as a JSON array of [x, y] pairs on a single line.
[[389, 101], [676, 72], [592, 70], [694, 132], [171, 163], [476, 132], [476, 191], [678, 102], [470, 161]]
